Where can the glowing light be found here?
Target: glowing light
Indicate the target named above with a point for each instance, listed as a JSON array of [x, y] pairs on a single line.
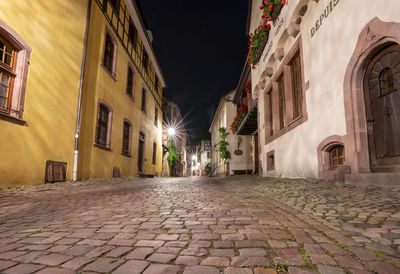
[[194, 157], [171, 131]]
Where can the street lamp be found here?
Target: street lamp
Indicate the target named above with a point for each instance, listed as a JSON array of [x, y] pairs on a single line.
[[171, 131], [194, 157]]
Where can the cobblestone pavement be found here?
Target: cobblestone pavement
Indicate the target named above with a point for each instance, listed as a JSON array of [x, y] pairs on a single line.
[[240, 224]]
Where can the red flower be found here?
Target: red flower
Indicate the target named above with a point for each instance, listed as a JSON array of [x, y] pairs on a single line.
[[283, 2], [268, 26], [270, 7]]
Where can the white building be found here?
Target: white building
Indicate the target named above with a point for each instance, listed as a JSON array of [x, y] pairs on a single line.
[[240, 162], [327, 85]]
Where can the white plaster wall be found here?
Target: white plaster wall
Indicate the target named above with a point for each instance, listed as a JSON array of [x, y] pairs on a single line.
[[225, 113], [326, 56], [244, 161]]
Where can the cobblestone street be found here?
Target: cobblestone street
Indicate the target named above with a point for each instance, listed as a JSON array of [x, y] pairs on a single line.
[[241, 224]]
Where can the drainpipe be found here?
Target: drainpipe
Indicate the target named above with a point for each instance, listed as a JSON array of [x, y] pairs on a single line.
[[79, 110]]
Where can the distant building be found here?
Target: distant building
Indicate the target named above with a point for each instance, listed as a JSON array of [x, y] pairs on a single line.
[[239, 147], [205, 155], [173, 119]]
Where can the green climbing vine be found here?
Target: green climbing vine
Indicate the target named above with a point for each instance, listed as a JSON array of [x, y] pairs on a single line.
[[223, 144]]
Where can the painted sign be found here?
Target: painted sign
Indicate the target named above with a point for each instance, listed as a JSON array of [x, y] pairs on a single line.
[[328, 11]]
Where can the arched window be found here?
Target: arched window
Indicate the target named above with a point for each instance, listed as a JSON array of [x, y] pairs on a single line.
[[336, 155], [386, 81]]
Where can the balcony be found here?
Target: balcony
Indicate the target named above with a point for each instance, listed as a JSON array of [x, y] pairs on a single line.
[[248, 125]]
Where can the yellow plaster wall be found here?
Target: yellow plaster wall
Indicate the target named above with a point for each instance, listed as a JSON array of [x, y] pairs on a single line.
[[95, 162], [55, 32]]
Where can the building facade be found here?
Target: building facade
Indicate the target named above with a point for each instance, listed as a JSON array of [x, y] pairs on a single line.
[[327, 91], [103, 66], [122, 102], [205, 157], [240, 162]]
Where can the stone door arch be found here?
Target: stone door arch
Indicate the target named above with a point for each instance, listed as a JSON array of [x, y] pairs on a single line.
[[375, 37]]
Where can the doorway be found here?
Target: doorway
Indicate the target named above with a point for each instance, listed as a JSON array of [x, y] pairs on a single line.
[[382, 106], [141, 152]]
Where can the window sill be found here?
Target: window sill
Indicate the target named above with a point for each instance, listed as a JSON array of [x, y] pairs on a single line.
[[102, 147], [112, 74], [12, 119], [126, 154], [290, 126]]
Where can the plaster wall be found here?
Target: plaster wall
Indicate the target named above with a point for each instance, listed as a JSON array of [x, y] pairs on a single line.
[[223, 118], [51, 92]]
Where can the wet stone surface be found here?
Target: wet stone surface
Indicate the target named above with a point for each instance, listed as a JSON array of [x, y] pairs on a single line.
[[240, 224]]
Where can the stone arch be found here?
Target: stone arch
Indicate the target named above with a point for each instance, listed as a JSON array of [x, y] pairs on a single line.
[[375, 36], [325, 170]]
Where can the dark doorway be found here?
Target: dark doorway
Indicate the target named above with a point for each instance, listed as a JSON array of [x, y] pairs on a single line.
[[141, 152], [382, 105]]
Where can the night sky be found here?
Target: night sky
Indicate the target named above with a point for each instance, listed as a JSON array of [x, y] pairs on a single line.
[[201, 47]]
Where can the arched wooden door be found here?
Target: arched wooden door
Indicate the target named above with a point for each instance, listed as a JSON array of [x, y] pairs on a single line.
[[382, 104]]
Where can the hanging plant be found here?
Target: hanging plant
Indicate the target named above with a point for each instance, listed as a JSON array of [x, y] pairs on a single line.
[[240, 114], [247, 88], [258, 39], [223, 145]]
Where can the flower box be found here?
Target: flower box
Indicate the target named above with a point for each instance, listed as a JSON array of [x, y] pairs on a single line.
[[276, 11]]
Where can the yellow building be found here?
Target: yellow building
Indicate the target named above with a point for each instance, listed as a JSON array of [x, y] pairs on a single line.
[[124, 84], [42, 58]]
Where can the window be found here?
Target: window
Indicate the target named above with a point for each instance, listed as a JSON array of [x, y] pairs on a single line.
[[132, 33], [270, 114], [114, 4], [130, 82], [297, 86], [156, 117], [336, 156], [14, 65], [7, 73], [156, 84], [103, 132], [145, 60], [386, 81], [154, 154], [144, 100], [110, 51], [271, 160], [126, 138], [281, 95]]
